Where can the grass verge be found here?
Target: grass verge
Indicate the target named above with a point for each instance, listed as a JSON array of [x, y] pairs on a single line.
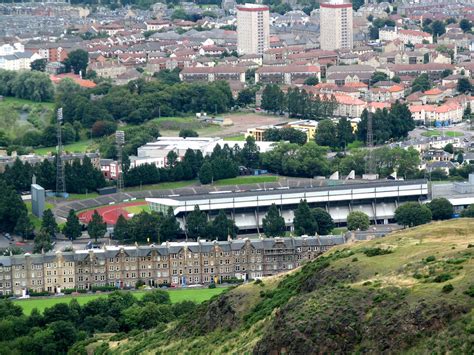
[[246, 180]]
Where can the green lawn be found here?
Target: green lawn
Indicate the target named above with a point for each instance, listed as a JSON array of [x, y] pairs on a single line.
[[83, 196], [190, 294], [35, 220], [170, 126], [76, 147], [239, 137], [163, 185], [246, 180], [138, 209], [436, 133]]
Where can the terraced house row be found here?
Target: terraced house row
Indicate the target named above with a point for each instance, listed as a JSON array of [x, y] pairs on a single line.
[[180, 263]]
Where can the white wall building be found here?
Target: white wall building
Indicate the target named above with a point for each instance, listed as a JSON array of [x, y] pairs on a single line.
[[253, 28], [156, 152], [14, 57], [336, 25]]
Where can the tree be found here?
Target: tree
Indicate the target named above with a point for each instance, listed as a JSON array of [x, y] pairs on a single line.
[[304, 222], [38, 65], [187, 132], [312, 80], [121, 229], [72, 229], [441, 209], [246, 97], [378, 76], [273, 224], [12, 207], [324, 221], [465, 25], [157, 297], [42, 242], [96, 227], [77, 61], [196, 223], [48, 223], [169, 227], [326, 133], [222, 228], [272, 98], [438, 28], [464, 85], [24, 227], [344, 132], [205, 173], [412, 214], [421, 83], [250, 155], [449, 148], [468, 212], [357, 220]]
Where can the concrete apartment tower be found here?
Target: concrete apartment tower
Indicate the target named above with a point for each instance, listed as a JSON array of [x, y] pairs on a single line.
[[253, 28], [336, 24]]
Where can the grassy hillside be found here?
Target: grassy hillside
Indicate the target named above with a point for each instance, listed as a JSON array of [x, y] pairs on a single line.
[[411, 292]]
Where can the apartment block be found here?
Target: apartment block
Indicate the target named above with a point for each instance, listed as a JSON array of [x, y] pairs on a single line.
[[172, 263], [336, 25], [253, 28]]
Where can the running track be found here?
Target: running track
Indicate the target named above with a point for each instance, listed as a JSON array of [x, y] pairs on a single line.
[[109, 213]]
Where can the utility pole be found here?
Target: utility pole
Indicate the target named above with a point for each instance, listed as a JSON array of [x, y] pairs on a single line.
[[60, 178], [370, 166], [120, 141]]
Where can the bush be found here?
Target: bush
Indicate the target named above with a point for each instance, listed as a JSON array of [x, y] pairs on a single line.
[[376, 251], [470, 291], [358, 220], [213, 285], [38, 294], [447, 288], [430, 258], [442, 278], [103, 288]]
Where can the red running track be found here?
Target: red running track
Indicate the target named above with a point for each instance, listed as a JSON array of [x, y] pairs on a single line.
[[110, 213]]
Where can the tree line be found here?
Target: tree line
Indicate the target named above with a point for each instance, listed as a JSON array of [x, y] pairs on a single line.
[[34, 85], [81, 176], [297, 103], [68, 327]]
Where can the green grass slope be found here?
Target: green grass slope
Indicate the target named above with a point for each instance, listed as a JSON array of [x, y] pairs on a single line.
[[410, 292]]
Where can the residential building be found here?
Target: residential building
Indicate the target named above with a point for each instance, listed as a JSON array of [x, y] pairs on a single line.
[[336, 25], [171, 263], [253, 29], [286, 74]]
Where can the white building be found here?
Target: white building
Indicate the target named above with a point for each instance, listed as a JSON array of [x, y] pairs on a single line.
[[156, 152], [253, 28], [336, 25], [14, 57]]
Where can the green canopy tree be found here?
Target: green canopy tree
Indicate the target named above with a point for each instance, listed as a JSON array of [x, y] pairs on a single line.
[[464, 85], [344, 132], [205, 173], [441, 209], [357, 220], [121, 229], [273, 223], [169, 227], [12, 207], [77, 61], [412, 214], [326, 133], [304, 222], [42, 242], [421, 83], [222, 227], [38, 65], [196, 223], [24, 227], [96, 227], [72, 229], [48, 223], [324, 221], [468, 212]]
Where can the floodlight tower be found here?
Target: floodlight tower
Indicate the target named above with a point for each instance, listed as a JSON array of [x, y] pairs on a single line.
[[120, 141], [60, 178], [370, 166]]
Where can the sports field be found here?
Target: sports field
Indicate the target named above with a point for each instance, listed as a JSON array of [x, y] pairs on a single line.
[[197, 295], [111, 213], [438, 133]]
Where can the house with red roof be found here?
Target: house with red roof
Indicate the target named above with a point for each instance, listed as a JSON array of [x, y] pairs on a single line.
[[74, 77]]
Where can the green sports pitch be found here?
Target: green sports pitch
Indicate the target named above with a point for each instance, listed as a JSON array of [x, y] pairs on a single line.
[[197, 295]]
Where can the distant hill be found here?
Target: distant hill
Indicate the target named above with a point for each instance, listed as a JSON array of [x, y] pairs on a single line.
[[412, 291]]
